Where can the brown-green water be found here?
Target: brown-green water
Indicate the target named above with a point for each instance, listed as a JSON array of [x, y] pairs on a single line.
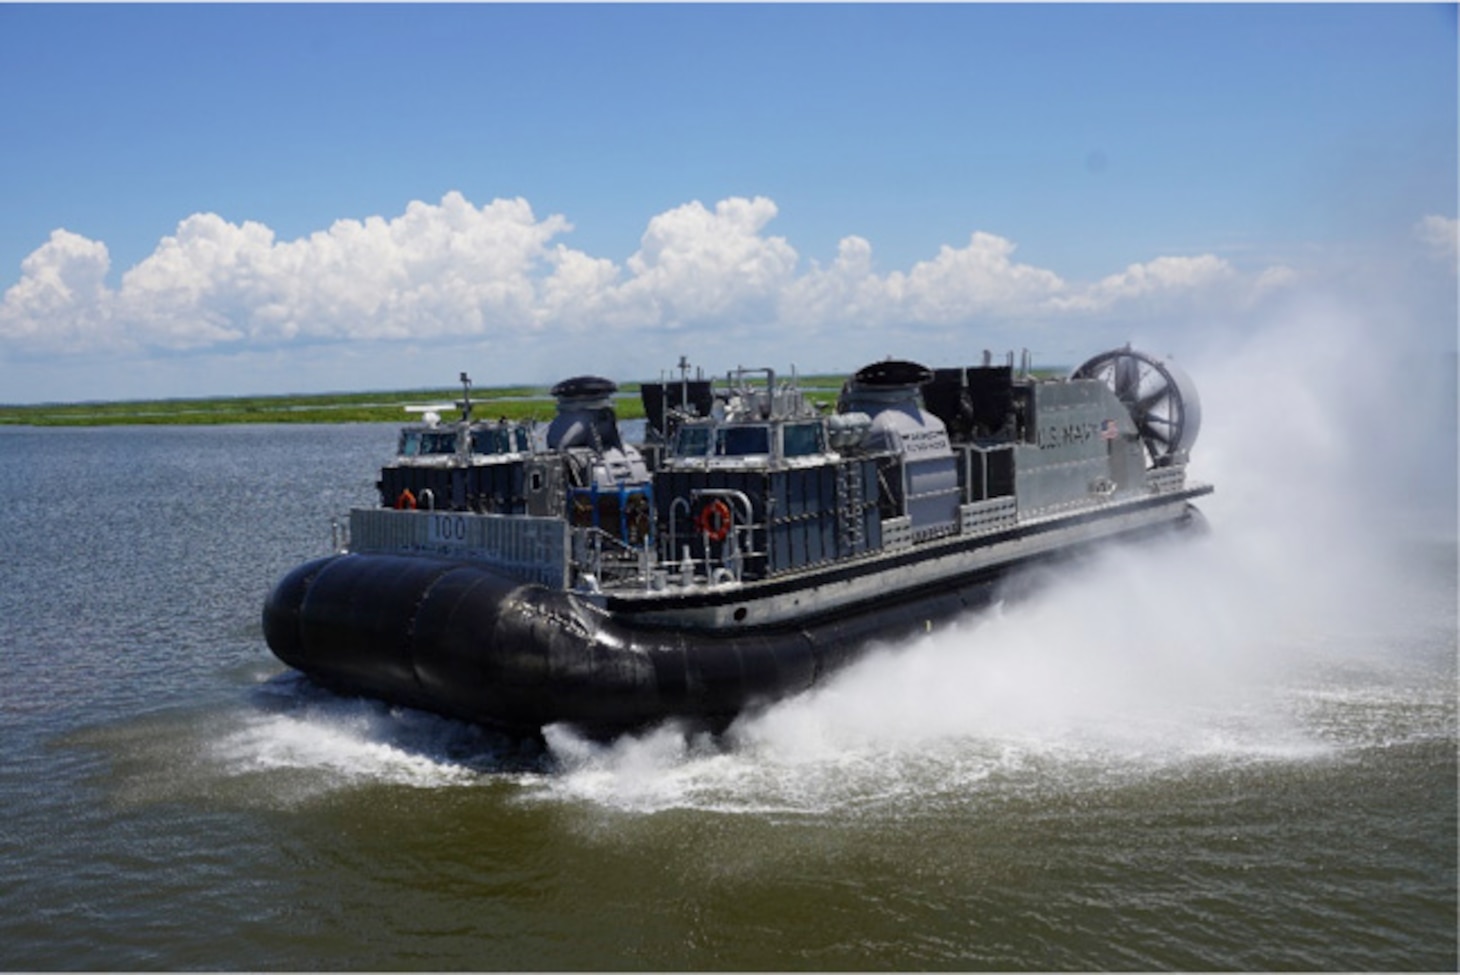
[[1237, 754]]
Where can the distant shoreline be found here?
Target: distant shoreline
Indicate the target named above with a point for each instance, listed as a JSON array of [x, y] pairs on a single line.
[[511, 402], [368, 407], [515, 402]]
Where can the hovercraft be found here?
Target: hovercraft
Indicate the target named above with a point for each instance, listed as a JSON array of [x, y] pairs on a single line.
[[749, 547]]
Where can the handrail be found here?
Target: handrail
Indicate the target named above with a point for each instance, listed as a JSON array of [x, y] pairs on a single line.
[[732, 557], [633, 562]]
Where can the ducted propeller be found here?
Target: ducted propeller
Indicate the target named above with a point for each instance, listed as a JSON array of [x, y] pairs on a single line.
[[1158, 394]]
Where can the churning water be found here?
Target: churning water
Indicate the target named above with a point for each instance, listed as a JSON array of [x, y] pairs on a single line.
[[1237, 751]]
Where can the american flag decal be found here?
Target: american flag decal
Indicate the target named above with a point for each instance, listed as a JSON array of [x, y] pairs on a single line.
[[1109, 430]]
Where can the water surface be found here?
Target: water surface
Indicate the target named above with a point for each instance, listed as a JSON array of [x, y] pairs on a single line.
[[1232, 754]]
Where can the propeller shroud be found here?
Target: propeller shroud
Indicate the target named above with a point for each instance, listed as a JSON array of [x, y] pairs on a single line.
[[1159, 395]]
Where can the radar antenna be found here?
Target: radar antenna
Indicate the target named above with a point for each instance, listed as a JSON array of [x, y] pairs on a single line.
[[465, 398]]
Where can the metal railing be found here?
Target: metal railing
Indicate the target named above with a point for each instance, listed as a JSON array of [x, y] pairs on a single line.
[[601, 560], [736, 545]]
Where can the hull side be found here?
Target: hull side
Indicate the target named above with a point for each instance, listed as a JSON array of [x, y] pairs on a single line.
[[459, 640]]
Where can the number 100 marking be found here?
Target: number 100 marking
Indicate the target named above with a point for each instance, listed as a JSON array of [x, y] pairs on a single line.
[[450, 529]]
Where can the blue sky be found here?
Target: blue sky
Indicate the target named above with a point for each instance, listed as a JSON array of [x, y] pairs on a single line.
[[237, 199]]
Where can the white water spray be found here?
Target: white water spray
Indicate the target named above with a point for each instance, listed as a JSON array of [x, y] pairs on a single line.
[[1331, 448], [1331, 445]]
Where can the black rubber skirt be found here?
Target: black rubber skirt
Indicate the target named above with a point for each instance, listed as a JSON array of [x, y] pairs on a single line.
[[460, 640]]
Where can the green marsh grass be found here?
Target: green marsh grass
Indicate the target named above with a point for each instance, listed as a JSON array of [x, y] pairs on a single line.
[[512, 402]]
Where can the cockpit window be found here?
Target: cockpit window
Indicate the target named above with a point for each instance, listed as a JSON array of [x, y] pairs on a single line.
[[802, 439], [729, 441], [427, 443], [742, 441], [498, 440], [692, 442]]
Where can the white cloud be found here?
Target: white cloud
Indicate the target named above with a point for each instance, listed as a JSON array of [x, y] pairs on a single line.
[[1272, 279], [449, 269], [974, 280], [846, 292], [578, 293], [1440, 235], [61, 298], [454, 271], [181, 295], [959, 285], [696, 266], [1163, 276]]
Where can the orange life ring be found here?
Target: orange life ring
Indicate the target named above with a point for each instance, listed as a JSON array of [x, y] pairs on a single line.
[[714, 520], [406, 501]]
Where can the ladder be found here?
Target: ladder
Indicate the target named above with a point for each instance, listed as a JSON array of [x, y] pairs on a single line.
[[850, 506]]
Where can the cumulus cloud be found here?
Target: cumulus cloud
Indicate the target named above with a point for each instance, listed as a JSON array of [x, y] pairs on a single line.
[[61, 297], [847, 289], [695, 266], [977, 279], [435, 270], [1439, 235], [454, 270], [959, 285], [185, 294], [1162, 276]]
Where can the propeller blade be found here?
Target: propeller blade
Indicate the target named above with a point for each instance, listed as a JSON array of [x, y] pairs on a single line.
[[1145, 403], [1127, 378], [1149, 434]]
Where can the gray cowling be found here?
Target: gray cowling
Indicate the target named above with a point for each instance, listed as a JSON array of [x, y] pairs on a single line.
[[586, 428], [585, 414], [889, 392]]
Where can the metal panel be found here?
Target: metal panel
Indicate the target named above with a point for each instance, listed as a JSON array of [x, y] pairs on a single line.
[[984, 517], [803, 516], [1163, 480], [896, 533], [932, 495], [518, 546]]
